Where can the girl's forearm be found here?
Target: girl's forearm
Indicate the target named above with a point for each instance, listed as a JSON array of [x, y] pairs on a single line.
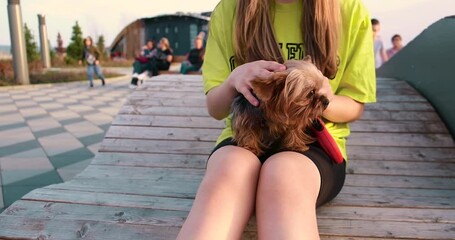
[[219, 100], [343, 109]]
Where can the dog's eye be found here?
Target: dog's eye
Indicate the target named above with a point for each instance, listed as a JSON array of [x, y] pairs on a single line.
[[311, 94]]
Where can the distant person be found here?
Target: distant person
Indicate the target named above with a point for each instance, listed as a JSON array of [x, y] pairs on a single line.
[[194, 58], [162, 57], [379, 50], [397, 45], [143, 62], [91, 56]]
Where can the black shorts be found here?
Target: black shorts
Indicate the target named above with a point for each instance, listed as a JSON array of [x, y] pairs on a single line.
[[332, 174]]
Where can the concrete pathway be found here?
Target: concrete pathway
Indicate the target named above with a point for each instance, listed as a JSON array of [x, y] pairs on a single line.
[[50, 132]]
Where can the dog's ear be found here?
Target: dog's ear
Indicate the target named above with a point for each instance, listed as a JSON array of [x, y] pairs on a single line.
[[308, 58], [267, 88]]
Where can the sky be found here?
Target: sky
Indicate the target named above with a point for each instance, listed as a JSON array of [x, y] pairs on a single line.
[[106, 17]]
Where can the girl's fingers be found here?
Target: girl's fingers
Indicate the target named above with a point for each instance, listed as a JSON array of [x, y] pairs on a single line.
[[272, 66], [249, 96]]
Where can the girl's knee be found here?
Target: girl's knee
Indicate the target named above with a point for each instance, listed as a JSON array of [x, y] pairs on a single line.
[[289, 173], [233, 164]]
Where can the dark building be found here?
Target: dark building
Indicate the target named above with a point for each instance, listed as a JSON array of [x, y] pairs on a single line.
[[179, 28]]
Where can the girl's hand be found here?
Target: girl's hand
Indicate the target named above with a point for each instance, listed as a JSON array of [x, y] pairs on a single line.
[[240, 78], [97, 62], [326, 89]]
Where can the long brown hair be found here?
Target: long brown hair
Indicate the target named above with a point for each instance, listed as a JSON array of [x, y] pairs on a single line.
[[255, 38]]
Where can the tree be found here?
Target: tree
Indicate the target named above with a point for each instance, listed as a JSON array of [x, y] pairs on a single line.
[[30, 45], [101, 47], [76, 46]]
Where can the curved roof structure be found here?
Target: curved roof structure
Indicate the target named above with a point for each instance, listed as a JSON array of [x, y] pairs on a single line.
[[140, 28]]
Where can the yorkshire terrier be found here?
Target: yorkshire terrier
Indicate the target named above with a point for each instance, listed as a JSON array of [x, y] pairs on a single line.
[[289, 103]]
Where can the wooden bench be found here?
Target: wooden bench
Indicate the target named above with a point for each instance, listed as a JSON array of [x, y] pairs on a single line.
[[400, 182]]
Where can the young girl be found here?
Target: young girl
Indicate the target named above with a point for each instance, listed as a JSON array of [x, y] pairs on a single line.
[[284, 189], [91, 56], [162, 57]]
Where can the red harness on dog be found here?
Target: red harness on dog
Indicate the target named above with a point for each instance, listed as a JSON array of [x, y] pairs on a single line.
[[326, 141]]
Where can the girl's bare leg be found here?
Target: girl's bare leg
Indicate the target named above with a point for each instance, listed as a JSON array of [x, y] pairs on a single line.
[[226, 197], [288, 188]]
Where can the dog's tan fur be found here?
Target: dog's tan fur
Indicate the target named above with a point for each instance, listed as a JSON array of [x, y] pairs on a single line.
[[289, 103]]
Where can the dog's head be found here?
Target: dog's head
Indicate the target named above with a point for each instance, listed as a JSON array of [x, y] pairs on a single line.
[[292, 96]]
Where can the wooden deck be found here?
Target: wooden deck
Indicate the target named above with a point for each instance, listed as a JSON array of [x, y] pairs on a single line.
[[400, 183]]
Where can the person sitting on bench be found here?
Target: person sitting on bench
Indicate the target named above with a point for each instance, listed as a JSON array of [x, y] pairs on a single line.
[[162, 57], [194, 58], [143, 62]]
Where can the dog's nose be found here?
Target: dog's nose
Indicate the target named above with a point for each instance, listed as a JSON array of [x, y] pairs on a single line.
[[325, 101]]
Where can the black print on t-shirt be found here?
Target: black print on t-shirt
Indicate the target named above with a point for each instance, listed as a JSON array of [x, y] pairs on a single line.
[[295, 50]]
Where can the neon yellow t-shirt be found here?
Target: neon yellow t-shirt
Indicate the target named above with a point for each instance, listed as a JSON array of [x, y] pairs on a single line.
[[356, 71]]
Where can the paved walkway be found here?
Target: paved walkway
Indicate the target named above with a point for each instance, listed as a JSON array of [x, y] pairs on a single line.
[[49, 133]]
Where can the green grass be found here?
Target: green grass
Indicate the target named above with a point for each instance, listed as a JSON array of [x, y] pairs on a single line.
[[39, 75]]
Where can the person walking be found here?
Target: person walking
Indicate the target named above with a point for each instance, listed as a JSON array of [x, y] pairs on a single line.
[[91, 56]]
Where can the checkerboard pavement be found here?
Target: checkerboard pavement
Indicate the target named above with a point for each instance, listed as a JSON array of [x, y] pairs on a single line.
[[49, 133]]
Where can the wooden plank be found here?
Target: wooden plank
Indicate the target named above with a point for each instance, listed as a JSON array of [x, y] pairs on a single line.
[[400, 98], [107, 214], [166, 95], [166, 111], [400, 116], [182, 183], [89, 197], [395, 201], [383, 115], [156, 146], [47, 229], [152, 175], [379, 229], [387, 214], [380, 106], [167, 121], [175, 83], [399, 106], [150, 160], [391, 181], [401, 139], [72, 229], [128, 216], [151, 217], [400, 153], [163, 133], [424, 169], [207, 122], [168, 102], [392, 191], [55, 198], [398, 126], [167, 88], [396, 91]]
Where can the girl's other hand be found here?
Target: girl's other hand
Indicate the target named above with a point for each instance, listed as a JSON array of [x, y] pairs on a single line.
[[240, 78], [326, 89]]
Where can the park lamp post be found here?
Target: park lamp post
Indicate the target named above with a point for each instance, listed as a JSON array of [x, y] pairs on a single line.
[[16, 29], [44, 43]]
